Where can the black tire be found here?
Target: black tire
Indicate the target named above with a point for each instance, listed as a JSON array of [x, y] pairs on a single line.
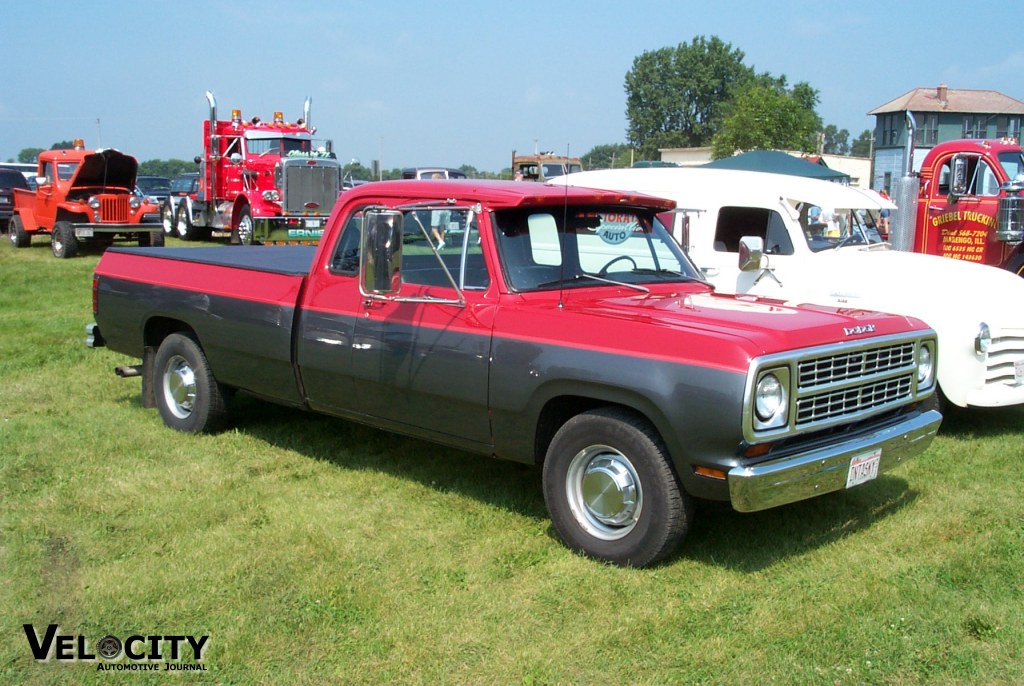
[[151, 239], [183, 226], [63, 242], [188, 396], [167, 218], [241, 233], [611, 491], [16, 233]]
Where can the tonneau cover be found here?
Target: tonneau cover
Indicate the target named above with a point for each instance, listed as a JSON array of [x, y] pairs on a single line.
[[290, 260]]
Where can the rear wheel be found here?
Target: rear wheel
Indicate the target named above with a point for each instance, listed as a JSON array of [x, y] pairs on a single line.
[[188, 396], [153, 239], [63, 242], [611, 491], [167, 218], [183, 225], [242, 233], [16, 233]]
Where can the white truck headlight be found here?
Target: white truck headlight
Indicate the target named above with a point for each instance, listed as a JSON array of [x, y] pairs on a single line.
[[271, 196], [925, 367], [770, 402], [983, 341]]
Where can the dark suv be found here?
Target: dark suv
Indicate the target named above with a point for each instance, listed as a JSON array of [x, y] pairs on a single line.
[[9, 180]]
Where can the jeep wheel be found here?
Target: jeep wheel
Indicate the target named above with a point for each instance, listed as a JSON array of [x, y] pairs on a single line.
[[611, 491], [154, 239], [17, 234], [242, 233], [63, 242], [188, 396], [167, 218]]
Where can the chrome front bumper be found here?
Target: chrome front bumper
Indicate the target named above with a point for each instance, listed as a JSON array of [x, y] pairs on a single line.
[[825, 470]]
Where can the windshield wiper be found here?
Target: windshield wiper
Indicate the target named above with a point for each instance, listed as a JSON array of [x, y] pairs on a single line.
[[576, 278]]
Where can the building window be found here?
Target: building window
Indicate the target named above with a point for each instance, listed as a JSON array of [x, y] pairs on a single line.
[[891, 129], [928, 131], [974, 126], [1007, 127]]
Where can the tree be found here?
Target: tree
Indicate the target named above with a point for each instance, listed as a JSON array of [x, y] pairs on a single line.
[[862, 146], [677, 97], [29, 155], [835, 141], [609, 156], [768, 116]]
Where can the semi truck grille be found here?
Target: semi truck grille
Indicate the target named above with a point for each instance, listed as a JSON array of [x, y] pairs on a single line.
[[114, 209], [837, 386], [310, 189]]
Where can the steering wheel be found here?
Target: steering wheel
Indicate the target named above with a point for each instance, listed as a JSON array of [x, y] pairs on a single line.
[[604, 269]]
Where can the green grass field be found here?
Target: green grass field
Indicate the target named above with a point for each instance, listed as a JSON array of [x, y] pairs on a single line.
[[315, 551]]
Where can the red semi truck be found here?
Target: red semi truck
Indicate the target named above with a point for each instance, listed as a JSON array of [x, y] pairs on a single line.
[[969, 204], [263, 181], [562, 327]]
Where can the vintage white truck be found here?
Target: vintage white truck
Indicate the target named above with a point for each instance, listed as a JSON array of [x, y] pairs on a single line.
[[809, 241]]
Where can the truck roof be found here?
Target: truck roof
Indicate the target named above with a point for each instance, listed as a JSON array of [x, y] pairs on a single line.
[[728, 187], [502, 193]]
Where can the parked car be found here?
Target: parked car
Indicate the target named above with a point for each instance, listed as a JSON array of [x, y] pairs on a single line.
[[9, 180], [156, 188]]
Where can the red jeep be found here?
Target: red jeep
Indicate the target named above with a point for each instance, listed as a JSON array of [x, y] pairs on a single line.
[[84, 197]]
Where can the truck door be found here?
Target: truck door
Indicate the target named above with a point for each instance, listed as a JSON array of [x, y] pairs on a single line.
[[47, 197], [416, 361], [721, 263], [960, 214]]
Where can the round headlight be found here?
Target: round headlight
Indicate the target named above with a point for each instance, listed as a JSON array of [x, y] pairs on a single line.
[[925, 367], [983, 341], [769, 397], [134, 202], [94, 202], [271, 196]]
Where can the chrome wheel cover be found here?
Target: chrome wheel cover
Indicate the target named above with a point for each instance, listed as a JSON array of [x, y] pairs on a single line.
[[604, 492], [179, 387]]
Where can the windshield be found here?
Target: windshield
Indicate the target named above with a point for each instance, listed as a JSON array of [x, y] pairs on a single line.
[[567, 247], [1013, 163], [280, 146], [826, 229]]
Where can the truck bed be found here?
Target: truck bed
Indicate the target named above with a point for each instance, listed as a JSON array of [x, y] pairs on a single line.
[[292, 260]]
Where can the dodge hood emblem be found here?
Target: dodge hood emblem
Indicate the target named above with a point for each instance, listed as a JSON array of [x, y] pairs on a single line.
[[856, 330]]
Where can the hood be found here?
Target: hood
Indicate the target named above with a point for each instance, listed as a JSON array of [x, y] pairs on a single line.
[[107, 168], [700, 325], [929, 287]]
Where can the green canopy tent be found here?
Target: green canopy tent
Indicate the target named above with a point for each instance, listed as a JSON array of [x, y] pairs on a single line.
[[775, 162]]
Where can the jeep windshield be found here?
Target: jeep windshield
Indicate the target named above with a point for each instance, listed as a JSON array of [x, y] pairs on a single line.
[[579, 246]]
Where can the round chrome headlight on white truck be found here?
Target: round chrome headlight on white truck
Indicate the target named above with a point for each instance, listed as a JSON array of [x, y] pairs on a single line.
[[983, 341]]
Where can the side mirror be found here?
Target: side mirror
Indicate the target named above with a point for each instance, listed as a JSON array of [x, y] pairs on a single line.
[[958, 176], [42, 181], [751, 250], [380, 253], [235, 158]]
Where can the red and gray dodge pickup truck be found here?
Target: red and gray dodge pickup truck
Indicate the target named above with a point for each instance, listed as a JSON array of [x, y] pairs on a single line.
[[556, 326]]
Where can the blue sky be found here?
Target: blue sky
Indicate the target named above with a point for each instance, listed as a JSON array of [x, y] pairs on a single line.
[[459, 82]]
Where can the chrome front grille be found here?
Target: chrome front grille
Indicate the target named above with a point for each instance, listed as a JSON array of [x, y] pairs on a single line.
[[852, 382], [310, 188], [1005, 351]]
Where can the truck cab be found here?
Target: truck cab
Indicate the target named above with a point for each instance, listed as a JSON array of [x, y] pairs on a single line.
[[543, 166], [970, 205]]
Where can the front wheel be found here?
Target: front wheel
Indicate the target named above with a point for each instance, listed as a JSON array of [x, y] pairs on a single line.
[[611, 491], [16, 233], [242, 233], [63, 242], [188, 396]]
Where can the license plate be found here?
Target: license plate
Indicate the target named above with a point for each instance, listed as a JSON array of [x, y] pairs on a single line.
[[83, 233], [1018, 372], [313, 223], [863, 468]]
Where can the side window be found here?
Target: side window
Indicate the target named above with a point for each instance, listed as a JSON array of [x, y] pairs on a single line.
[[459, 229], [777, 240], [346, 254], [736, 222], [987, 183]]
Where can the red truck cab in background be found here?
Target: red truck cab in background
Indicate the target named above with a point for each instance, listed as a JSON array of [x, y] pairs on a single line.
[[970, 205], [264, 182]]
